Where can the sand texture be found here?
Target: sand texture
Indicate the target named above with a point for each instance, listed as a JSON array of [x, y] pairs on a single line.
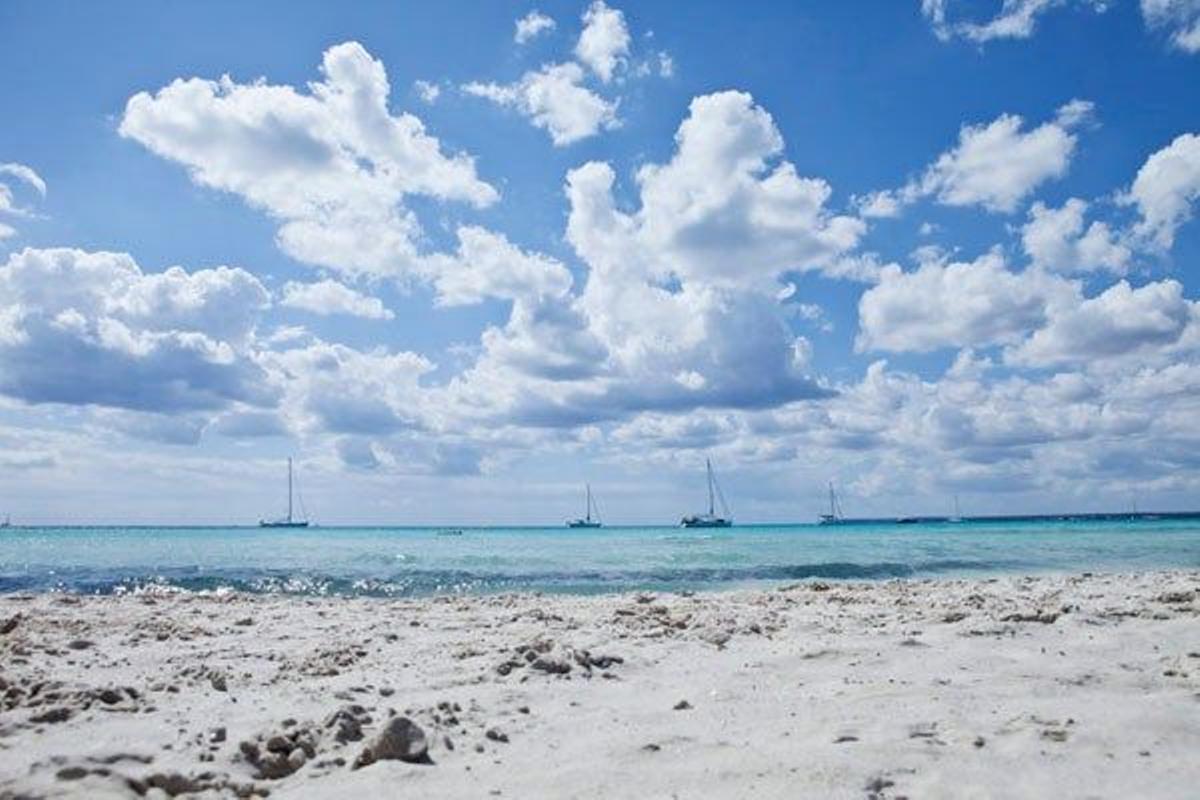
[[1064, 687]]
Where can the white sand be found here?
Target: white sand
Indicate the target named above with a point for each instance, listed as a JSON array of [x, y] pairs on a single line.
[[900, 689]]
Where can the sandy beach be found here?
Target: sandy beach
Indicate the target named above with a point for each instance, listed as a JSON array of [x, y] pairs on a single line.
[[1072, 686]]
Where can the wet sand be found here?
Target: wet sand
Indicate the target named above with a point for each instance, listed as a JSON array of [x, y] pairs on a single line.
[[1069, 686]]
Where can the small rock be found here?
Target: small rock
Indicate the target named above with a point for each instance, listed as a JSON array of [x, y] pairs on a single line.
[[682, 705], [80, 644], [52, 715], [401, 739], [979, 741], [218, 682], [173, 783], [552, 666], [71, 773], [217, 735], [9, 625], [279, 744], [296, 758], [109, 696], [496, 735]]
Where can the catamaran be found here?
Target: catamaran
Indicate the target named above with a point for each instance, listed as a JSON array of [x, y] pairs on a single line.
[[586, 521], [710, 520], [834, 517], [289, 521]]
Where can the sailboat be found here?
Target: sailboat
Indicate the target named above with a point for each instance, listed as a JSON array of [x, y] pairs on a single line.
[[586, 521], [834, 517], [289, 521], [709, 520], [7, 522], [957, 516]]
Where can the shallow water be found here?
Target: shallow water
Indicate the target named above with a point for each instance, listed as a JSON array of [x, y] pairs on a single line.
[[420, 561]]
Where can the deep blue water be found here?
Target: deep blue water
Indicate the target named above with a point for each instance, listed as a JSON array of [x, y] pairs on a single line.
[[419, 561]]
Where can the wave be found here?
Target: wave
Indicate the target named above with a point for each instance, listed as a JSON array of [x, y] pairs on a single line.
[[425, 582]]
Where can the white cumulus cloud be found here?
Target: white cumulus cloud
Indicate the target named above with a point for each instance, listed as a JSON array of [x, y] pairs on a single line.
[[1056, 239], [1179, 18], [529, 26], [330, 297], [994, 165], [962, 304], [1165, 189], [332, 164], [555, 100], [604, 43], [82, 328]]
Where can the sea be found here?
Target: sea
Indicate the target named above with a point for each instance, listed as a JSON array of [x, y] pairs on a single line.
[[414, 562]]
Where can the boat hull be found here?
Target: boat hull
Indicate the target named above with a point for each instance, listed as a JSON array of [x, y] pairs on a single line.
[[706, 522], [582, 523], [293, 524]]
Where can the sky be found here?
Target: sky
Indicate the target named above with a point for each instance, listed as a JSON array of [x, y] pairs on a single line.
[[460, 259]]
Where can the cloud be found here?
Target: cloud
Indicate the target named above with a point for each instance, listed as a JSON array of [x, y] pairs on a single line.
[[604, 43], [8, 204], [332, 388], [1165, 188], [428, 92], [554, 99], [1017, 19], [969, 304], [26, 174], [1179, 18], [666, 65], [1055, 239], [486, 265], [330, 297], [995, 166], [333, 165], [725, 210], [1122, 321], [529, 26], [82, 328], [680, 308]]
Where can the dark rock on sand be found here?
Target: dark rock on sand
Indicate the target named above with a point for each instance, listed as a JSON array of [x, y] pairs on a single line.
[[347, 723], [52, 715], [401, 739]]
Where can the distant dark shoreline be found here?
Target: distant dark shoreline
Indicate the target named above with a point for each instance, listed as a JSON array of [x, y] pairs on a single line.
[[1146, 516]]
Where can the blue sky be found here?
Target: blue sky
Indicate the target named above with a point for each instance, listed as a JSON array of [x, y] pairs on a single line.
[[458, 260]]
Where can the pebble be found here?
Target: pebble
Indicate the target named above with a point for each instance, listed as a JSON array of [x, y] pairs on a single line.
[[496, 735], [682, 705]]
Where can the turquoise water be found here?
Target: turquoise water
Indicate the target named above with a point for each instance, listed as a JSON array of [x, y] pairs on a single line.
[[419, 561]]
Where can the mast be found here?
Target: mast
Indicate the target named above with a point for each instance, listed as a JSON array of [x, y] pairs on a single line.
[[289, 516], [832, 502], [589, 502], [711, 509]]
